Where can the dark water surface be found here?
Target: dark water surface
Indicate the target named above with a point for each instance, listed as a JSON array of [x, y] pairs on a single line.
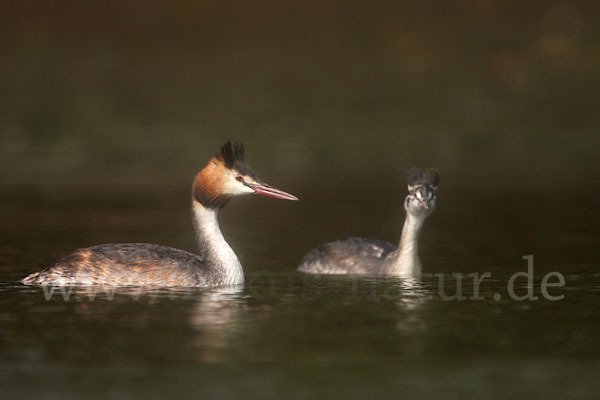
[[289, 335]]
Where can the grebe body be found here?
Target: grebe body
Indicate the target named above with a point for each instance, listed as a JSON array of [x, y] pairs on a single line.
[[374, 257], [132, 264]]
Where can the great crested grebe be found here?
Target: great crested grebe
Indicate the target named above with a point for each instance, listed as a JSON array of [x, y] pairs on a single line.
[[137, 264], [375, 257]]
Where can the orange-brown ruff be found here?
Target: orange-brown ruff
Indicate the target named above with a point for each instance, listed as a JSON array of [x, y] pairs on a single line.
[[128, 264], [210, 181]]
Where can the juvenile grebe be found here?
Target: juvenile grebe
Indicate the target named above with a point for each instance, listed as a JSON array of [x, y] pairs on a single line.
[[225, 176], [375, 257]]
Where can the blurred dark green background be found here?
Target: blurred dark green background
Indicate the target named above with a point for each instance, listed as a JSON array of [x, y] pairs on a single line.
[[505, 91], [108, 109]]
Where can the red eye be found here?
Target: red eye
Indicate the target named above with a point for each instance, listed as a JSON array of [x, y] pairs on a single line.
[[239, 178]]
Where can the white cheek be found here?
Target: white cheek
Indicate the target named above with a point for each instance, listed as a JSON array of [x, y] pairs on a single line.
[[235, 188]]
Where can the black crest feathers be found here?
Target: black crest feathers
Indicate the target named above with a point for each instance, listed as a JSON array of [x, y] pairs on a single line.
[[416, 176], [230, 153]]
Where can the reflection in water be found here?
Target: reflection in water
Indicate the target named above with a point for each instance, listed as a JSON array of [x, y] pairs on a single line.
[[412, 296], [92, 293], [206, 319], [215, 316]]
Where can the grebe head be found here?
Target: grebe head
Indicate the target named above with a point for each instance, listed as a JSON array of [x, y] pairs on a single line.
[[227, 175], [422, 191]]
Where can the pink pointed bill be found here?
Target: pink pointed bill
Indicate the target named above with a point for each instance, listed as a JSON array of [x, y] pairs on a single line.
[[267, 190]]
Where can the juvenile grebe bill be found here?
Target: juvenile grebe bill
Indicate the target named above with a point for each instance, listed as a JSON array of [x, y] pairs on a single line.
[[374, 257], [133, 264]]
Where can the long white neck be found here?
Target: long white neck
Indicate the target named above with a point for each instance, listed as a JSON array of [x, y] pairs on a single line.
[[404, 261], [220, 262]]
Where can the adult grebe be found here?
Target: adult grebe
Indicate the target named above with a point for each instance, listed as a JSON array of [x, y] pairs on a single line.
[[225, 176], [375, 257]]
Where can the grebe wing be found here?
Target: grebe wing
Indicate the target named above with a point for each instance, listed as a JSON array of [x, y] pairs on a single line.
[[125, 253], [347, 256]]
